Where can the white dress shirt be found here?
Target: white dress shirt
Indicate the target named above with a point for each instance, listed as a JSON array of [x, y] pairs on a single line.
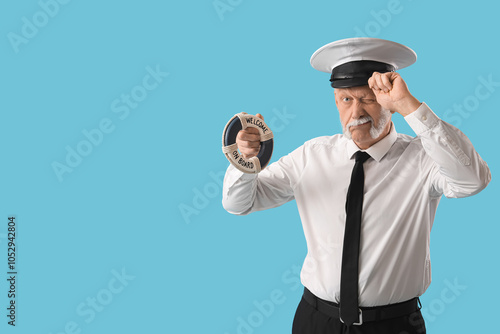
[[404, 181]]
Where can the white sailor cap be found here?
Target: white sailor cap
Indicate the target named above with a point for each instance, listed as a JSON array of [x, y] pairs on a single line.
[[352, 61]]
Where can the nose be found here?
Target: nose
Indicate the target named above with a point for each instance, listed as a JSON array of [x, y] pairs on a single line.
[[358, 110]]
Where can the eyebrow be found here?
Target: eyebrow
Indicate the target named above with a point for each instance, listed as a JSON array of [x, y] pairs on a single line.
[[364, 96]]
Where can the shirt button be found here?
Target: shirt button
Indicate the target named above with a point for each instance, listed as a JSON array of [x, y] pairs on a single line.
[[424, 118]]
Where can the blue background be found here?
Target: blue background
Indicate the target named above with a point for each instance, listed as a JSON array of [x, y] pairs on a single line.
[[146, 199]]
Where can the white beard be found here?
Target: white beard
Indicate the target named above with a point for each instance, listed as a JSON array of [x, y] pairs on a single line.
[[375, 131]]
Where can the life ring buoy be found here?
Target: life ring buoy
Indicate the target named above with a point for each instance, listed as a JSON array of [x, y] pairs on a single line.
[[239, 122]]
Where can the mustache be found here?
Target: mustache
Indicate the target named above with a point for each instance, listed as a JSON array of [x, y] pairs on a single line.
[[359, 121]]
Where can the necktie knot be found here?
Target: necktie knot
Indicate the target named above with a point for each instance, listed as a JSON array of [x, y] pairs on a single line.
[[361, 156]]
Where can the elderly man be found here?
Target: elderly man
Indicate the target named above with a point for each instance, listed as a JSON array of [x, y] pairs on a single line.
[[367, 198]]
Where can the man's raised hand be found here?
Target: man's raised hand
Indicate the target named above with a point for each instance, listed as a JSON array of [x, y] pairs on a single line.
[[392, 93]]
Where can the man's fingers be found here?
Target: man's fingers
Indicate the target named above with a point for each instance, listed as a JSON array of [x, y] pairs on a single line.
[[380, 82], [248, 141], [258, 115], [251, 130], [373, 83], [370, 82], [386, 82], [248, 136], [249, 144]]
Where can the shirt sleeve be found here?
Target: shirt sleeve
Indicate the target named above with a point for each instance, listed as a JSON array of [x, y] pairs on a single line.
[[245, 193], [457, 169]]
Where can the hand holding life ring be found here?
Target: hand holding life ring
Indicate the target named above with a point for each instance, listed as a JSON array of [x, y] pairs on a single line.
[[239, 122]]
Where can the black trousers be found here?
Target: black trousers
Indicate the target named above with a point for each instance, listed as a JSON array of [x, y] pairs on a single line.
[[308, 320]]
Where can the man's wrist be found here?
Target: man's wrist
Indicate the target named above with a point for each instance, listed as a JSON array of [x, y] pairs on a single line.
[[408, 105]]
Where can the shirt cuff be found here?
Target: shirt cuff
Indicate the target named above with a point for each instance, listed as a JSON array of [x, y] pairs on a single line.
[[235, 174], [422, 119]]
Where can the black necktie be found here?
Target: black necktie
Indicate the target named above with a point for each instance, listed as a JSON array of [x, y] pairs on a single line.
[[349, 309]]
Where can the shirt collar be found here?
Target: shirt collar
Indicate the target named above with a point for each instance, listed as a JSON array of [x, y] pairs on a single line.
[[378, 150]]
